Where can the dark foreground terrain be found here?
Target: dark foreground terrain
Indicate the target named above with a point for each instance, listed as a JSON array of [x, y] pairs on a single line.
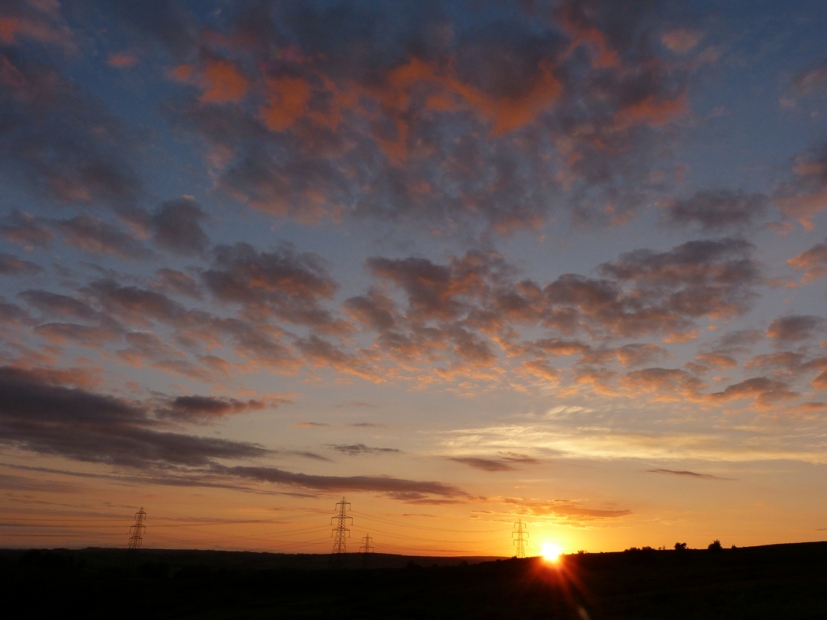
[[780, 582]]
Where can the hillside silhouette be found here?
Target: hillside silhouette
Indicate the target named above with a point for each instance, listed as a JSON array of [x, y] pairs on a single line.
[[779, 581]]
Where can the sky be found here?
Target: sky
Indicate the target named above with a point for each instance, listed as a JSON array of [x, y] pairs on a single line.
[[461, 263]]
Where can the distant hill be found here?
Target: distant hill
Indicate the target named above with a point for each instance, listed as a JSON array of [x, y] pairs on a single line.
[[756, 583], [247, 560]]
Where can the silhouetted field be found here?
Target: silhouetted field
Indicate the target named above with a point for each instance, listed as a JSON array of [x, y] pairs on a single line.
[[778, 582]]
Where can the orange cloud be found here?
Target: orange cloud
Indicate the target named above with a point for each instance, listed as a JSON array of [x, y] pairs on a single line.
[[44, 26], [182, 73], [541, 370], [806, 195], [652, 111], [122, 60], [221, 80], [224, 82], [604, 56], [765, 391], [562, 509], [442, 92], [12, 77], [9, 26], [681, 40], [717, 361], [812, 261], [505, 113], [664, 384], [288, 102]]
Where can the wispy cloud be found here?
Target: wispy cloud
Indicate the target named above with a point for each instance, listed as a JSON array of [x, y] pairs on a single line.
[[397, 488], [569, 511], [506, 462], [482, 464], [360, 448], [690, 474]]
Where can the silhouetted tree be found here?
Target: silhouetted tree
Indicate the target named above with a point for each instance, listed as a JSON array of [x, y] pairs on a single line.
[[680, 546], [715, 545]]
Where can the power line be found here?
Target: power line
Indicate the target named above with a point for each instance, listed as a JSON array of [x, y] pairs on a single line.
[[66, 525], [409, 537], [340, 533], [422, 527]]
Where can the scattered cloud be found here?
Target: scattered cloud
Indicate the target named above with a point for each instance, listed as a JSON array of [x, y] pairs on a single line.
[[177, 282], [571, 511], [56, 305], [26, 230], [765, 391], [717, 210], [794, 328], [820, 382], [805, 195], [483, 464], [307, 455], [533, 124], [40, 22], [122, 60], [812, 79], [94, 235], [690, 474], [505, 462], [58, 141], [39, 414], [11, 265], [358, 449], [176, 226], [396, 488], [286, 283], [665, 384], [208, 408], [812, 262], [681, 40], [354, 403]]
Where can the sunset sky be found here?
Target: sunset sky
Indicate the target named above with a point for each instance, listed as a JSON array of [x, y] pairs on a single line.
[[462, 263]]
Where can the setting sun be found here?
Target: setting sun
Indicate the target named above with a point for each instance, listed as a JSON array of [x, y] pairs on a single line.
[[551, 552]]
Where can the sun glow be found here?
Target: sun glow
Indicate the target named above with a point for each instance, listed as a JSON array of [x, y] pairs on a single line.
[[551, 552]]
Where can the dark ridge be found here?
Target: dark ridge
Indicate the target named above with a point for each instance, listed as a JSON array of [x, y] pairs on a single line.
[[775, 581]]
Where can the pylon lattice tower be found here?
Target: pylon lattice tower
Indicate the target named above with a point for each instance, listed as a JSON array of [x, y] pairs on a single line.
[[341, 532], [136, 532], [366, 549], [520, 531]]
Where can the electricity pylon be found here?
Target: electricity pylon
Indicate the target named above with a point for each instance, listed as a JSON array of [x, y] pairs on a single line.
[[341, 533], [519, 532], [136, 532], [366, 549]]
